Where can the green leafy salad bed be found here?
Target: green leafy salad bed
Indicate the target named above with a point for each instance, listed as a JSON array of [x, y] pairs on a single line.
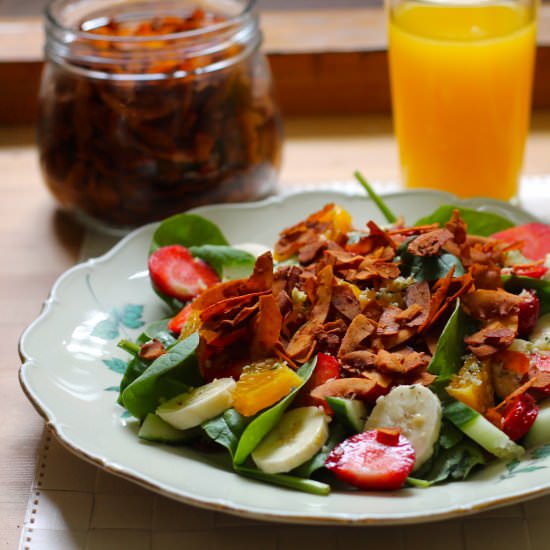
[[364, 356]]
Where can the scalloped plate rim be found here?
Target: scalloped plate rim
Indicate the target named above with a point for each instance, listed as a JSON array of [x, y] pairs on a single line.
[[225, 504]]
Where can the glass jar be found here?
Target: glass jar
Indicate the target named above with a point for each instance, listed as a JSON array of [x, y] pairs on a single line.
[[151, 108]]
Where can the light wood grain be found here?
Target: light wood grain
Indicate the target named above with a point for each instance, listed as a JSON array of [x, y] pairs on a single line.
[[337, 29], [332, 148], [324, 61]]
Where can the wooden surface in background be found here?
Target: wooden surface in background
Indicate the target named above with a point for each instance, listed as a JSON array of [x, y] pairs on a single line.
[[35, 7], [330, 61]]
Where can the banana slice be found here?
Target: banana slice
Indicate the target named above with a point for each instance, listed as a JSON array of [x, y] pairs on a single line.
[[414, 409], [541, 333], [200, 404], [298, 436]]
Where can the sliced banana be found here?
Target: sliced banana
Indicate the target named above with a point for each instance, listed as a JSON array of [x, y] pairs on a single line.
[[298, 436], [200, 404], [414, 409], [541, 333]]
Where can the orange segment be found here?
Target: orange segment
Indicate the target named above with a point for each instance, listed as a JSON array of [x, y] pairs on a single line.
[[340, 220], [262, 384], [472, 385], [191, 325]]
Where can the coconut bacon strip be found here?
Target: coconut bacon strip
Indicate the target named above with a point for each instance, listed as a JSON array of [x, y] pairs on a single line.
[[302, 344], [431, 243]]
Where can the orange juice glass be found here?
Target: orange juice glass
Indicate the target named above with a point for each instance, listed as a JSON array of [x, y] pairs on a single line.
[[461, 75]]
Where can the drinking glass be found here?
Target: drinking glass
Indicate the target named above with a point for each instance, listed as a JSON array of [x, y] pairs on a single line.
[[461, 76]]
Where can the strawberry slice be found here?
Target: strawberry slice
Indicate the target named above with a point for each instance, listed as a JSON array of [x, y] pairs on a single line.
[[373, 460], [180, 319], [531, 270], [327, 368], [541, 360], [540, 369], [535, 237], [528, 314], [518, 416], [177, 274]]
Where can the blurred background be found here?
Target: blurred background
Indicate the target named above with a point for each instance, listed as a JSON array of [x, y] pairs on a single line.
[[329, 63], [33, 7], [328, 57]]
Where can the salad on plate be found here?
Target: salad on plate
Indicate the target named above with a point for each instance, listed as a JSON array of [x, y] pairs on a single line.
[[348, 356]]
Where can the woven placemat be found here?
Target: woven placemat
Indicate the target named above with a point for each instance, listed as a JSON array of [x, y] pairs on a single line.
[[77, 506]]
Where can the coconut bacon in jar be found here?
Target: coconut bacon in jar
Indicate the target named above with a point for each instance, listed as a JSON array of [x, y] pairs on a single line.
[[151, 108]]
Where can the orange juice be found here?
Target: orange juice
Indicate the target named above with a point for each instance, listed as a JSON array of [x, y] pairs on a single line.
[[461, 88]]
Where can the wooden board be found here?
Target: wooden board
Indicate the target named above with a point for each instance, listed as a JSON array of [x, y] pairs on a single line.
[[330, 61]]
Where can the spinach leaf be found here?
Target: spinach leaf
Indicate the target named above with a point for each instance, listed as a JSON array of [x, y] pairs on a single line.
[[226, 429], [164, 378], [454, 457], [336, 435], [136, 367], [448, 356], [264, 422], [382, 206], [479, 223], [449, 435], [455, 463], [222, 257], [204, 240], [285, 480], [159, 330], [187, 230], [430, 268], [540, 286], [459, 413]]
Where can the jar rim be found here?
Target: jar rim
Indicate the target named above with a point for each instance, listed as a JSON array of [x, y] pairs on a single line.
[[228, 23], [77, 50]]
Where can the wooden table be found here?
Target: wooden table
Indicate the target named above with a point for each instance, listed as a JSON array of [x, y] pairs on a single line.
[[37, 243], [324, 61]]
